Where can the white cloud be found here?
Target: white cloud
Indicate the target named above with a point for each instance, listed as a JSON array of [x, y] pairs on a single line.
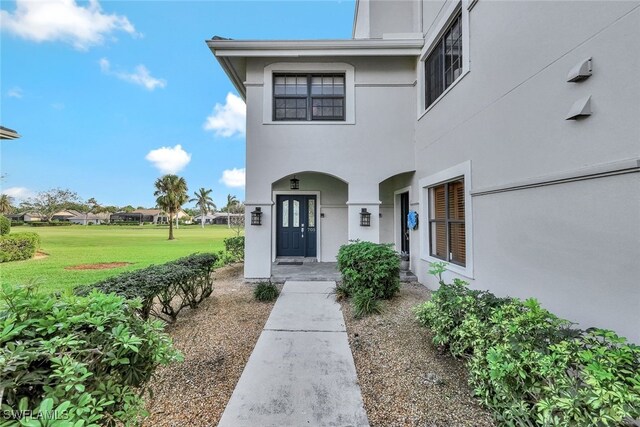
[[233, 177], [15, 92], [63, 20], [18, 193], [228, 119], [169, 160], [140, 76]]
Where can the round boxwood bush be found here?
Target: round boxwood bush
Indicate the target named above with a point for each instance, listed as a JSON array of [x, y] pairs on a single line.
[[366, 265], [5, 225]]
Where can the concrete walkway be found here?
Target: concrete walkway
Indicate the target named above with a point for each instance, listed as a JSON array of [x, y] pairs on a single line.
[[301, 372]]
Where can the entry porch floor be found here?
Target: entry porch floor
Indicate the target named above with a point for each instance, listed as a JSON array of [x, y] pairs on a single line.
[[283, 270]]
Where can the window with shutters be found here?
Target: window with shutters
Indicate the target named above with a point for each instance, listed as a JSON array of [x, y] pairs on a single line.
[[447, 222]]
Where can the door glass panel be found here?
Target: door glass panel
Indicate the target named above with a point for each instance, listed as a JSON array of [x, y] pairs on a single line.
[[296, 213], [312, 213], [285, 213]]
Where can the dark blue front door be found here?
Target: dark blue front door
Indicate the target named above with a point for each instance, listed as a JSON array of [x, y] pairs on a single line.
[[296, 226]]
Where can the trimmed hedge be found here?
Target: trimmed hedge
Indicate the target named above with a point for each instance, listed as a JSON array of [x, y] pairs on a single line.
[[5, 225], [18, 246], [16, 223], [50, 223], [175, 285], [89, 359], [529, 366], [366, 265]]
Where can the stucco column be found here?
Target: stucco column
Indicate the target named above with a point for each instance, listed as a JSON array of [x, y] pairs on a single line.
[[257, 251], [364, 197]]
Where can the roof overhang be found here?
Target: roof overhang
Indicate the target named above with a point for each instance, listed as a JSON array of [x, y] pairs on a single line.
[[6, 133], [232, 54]]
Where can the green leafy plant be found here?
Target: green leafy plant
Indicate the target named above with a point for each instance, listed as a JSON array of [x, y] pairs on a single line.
[[5, 225], [364, 303], [235, 246], [265, 291], [366, 265], [341, 292], [18, 246], [178, 284], [81, 360], [529, 366]]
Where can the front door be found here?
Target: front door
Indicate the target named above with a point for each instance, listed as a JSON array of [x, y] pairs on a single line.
[[404, 229], [296, 226]]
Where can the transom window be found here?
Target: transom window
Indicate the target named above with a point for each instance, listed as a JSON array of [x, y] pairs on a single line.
[[446, 222], [308, 97], [444, 64]]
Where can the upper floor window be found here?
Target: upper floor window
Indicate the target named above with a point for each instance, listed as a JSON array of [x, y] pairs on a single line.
[[444, 64], [447, 222], [308, 97]]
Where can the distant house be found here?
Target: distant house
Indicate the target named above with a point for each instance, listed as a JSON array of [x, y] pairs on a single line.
[[154, 216], [25, 217], [77, 217], [6, 133], [216, 218]]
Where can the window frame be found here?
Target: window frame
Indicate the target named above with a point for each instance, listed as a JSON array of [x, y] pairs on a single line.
[[309, 97], [447, 221], [462, 170], [265, 86], [432, 41]]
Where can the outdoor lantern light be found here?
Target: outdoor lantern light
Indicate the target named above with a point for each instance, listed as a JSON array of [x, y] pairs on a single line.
[[295, 183], [256, 217], [365, 218]]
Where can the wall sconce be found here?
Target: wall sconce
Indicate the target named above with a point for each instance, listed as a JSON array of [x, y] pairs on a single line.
[[294, 183], [365, 218], [256, 217]]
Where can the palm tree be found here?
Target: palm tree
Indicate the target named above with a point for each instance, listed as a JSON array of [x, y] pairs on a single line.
[[204, 202], [6, 204], [171, 194], [231, 202]]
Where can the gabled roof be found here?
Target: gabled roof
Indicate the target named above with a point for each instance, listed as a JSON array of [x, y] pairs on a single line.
[[232, 54]]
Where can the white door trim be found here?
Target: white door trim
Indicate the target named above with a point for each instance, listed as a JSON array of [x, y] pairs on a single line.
[[274, 218], [397, 218]]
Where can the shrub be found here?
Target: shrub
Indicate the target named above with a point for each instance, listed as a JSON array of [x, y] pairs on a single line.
[[18, 246], [235, 246], [89, 357], [5, 225], [265, 291], [50, 223], [175, 285], [528, 366], [16, 223], [364, 303], [366, 265]]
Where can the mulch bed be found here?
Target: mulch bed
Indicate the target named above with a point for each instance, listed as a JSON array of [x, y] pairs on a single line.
[[98, 266], [405, 380], [216, 340]]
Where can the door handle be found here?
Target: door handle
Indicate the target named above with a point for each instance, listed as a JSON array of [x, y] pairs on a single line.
[[302, 230]]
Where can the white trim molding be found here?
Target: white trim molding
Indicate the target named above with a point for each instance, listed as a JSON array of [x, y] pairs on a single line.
[[309, 67], [432, 39], [460, 170]]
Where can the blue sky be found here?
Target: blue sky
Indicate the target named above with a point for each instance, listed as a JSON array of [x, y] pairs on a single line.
[[98, 89]]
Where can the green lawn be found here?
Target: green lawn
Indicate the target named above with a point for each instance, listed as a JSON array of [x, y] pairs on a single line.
[[74, 245]]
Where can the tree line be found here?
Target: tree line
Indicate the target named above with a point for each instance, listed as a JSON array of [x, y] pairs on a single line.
[[171, 192]]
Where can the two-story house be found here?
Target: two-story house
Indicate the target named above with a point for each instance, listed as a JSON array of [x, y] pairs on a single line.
[[511, 128]]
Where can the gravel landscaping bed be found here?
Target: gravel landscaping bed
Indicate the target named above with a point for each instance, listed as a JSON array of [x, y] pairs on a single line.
[[216, 340], [405, 380]]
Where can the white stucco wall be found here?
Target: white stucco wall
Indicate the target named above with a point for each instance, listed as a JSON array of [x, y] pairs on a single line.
[[574, 246], [377, 144]]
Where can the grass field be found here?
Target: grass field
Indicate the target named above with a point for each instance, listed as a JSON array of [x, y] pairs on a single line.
[[75, 245]]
